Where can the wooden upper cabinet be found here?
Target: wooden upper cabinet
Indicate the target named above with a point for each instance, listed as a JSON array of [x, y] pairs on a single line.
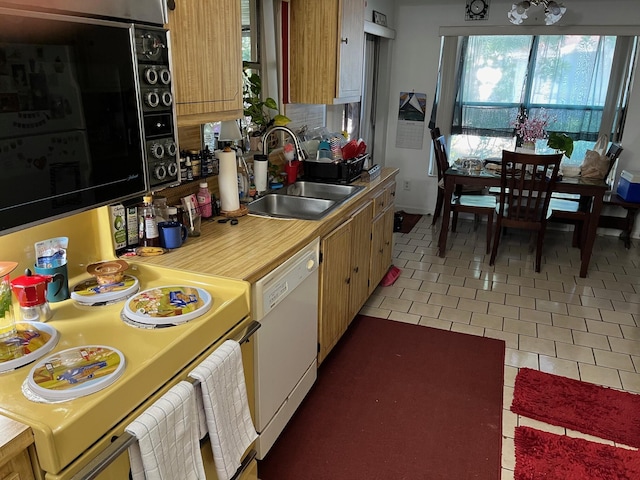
[[326, 51], [206, 57]]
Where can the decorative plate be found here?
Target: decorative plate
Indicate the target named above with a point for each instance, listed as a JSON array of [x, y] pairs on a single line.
[[91, 291], [168, 305], [76, 372], [34, 340]]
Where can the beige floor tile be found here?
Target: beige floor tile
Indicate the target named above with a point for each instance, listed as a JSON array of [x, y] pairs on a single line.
[[517, 358], [405, 317], [433, 287], [532, 292], [415, 296], [435, 323], [559, 366], [455, 316], [506, 288], [600, 303], [425, 310], [444, 300], [397, 304], [621, 318], [557, 334], [604, 328], [392, 291], [565, 321], [537, 345], [622, 345], [529, 315], [519, 301], [507, 311], [630, 381], [608, 294], [585, 312], [462, 292], [553, 307], [424, 275], [567, 298], [519, 327], [486, 321], [575, 353], [475, 306], [619, 361], [413, 284], [626, 307], [538, 425], [592, 340], [451, 279], [468, 329], [490, 296], [510, 339], [607, 377], [630, 333]]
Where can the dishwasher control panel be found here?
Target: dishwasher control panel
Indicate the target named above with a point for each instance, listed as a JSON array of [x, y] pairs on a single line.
[[271, 289]]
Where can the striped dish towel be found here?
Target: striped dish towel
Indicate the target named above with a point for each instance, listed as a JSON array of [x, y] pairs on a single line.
[[226, 408], [168, 442]]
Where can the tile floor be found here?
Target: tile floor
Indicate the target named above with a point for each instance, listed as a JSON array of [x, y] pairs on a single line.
[[555, 321]]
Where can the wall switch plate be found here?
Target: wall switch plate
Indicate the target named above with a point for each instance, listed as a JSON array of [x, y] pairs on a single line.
[[406, 185]]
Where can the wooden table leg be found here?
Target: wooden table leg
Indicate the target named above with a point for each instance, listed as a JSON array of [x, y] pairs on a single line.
[[449, 185], [592, 228]]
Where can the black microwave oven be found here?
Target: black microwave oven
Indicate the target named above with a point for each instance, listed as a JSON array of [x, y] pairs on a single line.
[[86, 107]]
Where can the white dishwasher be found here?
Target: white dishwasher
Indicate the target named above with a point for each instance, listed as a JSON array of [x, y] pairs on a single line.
[[285, 302]]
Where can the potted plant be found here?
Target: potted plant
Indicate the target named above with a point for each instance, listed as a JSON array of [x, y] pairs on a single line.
[[257, 109], [561, 142]]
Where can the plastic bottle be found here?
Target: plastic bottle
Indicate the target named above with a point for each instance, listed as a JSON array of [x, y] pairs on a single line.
[[148, 226], [204, 200]]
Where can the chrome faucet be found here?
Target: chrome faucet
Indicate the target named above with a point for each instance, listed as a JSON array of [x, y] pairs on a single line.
[[301, 153]]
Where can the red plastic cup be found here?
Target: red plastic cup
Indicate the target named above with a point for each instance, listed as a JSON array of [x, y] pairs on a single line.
[[292, 171]]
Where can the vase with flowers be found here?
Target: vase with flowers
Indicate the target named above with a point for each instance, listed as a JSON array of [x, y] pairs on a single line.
[[529, 129]]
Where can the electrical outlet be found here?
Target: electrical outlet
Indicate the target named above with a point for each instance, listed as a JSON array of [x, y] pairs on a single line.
[[406, 185]]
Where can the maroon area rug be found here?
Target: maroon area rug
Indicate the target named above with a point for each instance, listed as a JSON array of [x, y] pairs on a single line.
[[585, 407], [397, 401], [409, 221], [543, 455]]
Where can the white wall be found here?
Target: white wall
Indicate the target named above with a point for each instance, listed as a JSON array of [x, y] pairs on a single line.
[[414, 66]]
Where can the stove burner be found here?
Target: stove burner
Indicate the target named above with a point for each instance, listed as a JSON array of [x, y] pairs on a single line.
[[91, 293]]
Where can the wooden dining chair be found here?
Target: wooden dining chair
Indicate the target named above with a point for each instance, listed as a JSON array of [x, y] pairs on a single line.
[[526, 183], [473, 203], [572, 210]]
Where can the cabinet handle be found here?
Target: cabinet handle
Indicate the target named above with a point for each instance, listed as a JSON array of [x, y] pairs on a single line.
[[345, 41], [382, 250], [356, 269], [348, 280], [171, 4]]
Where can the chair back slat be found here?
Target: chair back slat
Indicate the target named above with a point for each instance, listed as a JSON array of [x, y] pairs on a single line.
[[440, 150], [526, 184]]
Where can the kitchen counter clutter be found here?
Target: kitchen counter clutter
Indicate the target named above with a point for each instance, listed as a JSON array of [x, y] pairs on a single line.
[[256, 245]]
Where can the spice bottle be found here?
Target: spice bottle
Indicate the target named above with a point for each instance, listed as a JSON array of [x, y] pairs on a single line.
[[148, 226], [204, 200]]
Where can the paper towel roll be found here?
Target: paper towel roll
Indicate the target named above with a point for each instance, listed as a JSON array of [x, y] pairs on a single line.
[[260, 167], [228, 181]]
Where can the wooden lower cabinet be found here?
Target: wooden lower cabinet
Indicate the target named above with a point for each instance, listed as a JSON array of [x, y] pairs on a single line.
[[17, 468], [355, 257]]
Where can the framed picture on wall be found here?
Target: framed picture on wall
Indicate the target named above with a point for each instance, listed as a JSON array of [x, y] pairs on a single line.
[[379, 18]]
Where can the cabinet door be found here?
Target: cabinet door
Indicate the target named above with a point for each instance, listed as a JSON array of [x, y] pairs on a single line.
[[326, 51], [335, 279], [206, 60], [17, 468], [377, 252], [351, 49], [360, 259]]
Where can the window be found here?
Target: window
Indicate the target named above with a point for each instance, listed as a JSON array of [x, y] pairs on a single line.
[[564, 77]]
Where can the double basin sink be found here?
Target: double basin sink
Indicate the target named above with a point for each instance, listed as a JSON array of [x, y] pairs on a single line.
[[304, 200]]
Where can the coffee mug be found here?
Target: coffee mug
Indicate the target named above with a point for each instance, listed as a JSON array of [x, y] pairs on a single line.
[[58, 288], [172, 234]]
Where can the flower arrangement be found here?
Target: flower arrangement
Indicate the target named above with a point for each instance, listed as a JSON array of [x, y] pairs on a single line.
[[531, 129]]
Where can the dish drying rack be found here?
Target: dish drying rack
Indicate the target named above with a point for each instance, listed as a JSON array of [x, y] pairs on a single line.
[[338, 171]]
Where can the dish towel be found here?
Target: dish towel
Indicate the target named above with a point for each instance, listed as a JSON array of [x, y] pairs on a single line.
[[168, 444], [226, 408]]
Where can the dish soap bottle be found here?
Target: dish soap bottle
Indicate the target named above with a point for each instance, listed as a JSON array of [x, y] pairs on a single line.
[[204, 200], [148, 226]]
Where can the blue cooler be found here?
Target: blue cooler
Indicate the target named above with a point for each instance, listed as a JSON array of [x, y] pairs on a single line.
[[629, 186]]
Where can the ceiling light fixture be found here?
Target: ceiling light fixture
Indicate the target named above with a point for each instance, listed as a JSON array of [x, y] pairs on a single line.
[[553, 11]]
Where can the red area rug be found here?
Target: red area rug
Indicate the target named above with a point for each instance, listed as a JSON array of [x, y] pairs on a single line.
[[397, 401], [585, 407], [543, 455]]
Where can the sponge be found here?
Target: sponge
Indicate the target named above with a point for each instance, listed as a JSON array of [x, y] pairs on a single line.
[[391, 276]]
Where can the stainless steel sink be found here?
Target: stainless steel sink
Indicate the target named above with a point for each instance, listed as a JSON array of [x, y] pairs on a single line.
[[328, 191], [287, 206]]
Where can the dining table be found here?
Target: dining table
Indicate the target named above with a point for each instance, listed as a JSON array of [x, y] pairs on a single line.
[[594, 189]]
